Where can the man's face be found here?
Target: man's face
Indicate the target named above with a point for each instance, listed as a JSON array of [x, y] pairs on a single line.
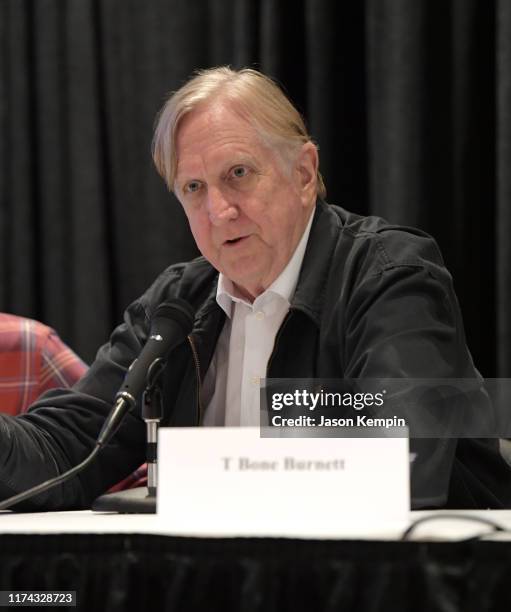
[[246, 210]]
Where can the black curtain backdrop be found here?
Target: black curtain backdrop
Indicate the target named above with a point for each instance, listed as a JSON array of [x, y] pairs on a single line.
[[409, 101]]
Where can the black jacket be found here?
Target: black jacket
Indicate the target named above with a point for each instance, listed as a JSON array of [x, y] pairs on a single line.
[[372, 301]]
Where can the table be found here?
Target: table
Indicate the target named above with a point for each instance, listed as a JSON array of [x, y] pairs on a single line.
[[130, 563]]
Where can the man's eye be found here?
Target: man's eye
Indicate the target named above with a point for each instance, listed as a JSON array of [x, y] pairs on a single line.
[[239, 171], [192, 187]]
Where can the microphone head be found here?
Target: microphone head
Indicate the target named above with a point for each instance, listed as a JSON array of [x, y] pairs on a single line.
[[177, 310]]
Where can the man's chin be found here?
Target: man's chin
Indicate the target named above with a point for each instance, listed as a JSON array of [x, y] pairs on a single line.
[[243, 271], [247, 286]]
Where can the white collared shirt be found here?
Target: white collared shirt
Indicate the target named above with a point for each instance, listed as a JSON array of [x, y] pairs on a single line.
[[230, 391]]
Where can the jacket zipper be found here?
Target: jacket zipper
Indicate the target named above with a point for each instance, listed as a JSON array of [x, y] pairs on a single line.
[[277, 338], [197, 371]]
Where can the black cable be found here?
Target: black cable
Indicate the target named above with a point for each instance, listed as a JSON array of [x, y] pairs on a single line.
[[49, 484]]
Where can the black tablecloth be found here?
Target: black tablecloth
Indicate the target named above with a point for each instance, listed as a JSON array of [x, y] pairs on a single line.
[[143, 572]]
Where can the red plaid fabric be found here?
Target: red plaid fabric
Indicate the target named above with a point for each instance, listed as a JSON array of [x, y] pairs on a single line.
[[137, 479], [33, 359]]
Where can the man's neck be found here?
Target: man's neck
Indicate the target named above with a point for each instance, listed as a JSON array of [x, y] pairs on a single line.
[[251, 293], [246, 294]]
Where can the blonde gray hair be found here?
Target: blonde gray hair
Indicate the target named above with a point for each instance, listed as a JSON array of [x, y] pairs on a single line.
[[258, 98]]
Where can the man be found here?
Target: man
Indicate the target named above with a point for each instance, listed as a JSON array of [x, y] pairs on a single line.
[[287, 287]]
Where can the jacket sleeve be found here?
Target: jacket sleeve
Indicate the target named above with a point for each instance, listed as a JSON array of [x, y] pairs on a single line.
[[61, 428], [403, 322]]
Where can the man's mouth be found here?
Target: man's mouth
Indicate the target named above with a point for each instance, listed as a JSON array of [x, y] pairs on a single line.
[[234, 241]]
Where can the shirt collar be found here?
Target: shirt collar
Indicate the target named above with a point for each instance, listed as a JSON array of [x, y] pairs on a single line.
[[284, 285]]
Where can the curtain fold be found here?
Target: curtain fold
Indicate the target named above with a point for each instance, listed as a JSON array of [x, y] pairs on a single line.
[[502, 220], [409, 103]]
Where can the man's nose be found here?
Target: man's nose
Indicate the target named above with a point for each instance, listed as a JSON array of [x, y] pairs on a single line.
[[220, 209]]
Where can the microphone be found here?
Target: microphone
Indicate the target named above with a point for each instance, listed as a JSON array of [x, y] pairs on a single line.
[[170, 325]]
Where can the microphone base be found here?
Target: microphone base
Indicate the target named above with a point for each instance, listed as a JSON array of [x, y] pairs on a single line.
[[131, 501]]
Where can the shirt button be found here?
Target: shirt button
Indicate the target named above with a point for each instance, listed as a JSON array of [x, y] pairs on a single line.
[[255, 380], [259, 315]]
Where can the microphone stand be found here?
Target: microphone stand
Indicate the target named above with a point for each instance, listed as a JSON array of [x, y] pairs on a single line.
[[141, 500], [152, 413]]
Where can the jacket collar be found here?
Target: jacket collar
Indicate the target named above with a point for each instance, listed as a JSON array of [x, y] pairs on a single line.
[[310, 292]]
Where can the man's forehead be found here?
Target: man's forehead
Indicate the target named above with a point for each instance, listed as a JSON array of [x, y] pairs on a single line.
[[211, 126], [214, 115]]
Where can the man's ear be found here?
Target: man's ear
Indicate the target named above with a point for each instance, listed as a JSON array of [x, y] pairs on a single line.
[[306, 167]]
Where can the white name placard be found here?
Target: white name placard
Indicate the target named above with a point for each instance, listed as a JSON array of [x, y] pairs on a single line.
[[224, 481]]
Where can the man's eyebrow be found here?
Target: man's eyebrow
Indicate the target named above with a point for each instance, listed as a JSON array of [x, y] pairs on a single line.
[[242, 158], [180, 181], [235, 159], [183, 177]]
